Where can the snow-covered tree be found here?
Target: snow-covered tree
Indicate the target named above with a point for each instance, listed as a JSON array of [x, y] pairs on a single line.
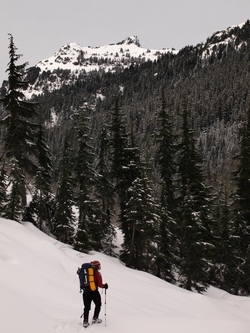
[[194, 221], [142, 219]]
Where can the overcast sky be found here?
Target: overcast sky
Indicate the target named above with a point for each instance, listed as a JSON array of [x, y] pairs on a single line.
[[41, 27]]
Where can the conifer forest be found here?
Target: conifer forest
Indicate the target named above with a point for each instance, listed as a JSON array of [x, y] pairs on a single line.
[[159, 150]]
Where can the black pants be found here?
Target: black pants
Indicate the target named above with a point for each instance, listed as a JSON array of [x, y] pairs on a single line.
[[88, 297]]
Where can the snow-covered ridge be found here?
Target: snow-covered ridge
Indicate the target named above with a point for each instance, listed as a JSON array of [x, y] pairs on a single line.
[[75, 57], [222, 37], [71, 60], [226, 32]]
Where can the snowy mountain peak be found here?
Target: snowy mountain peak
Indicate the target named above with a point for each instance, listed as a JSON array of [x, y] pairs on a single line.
[[70, 46], [130, 40]]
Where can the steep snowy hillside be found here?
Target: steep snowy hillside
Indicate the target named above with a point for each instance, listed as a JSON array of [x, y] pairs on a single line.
[[39, 292]]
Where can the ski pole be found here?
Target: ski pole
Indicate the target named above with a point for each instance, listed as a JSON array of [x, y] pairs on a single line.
[[105, 314]]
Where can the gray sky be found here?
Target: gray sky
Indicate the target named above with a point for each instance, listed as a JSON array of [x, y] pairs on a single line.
[[41, 27]]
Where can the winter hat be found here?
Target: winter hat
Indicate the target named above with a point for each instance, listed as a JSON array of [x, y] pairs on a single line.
[[96, 263]]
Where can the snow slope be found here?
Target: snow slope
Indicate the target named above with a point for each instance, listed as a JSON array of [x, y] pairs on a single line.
[[39, 293]]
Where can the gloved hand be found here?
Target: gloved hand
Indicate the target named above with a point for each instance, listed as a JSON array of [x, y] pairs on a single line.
[[105, 286]]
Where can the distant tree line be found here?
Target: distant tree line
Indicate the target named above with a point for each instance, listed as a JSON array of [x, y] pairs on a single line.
[[174, 224]]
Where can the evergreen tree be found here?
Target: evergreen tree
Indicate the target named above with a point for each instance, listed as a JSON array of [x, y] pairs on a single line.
[[138, 215], [118, 144], [126, 169], [142, 219], [20, 134], [105, 191], [195, 221], [241, 221], [168, 243], [223, 272], [166, 154], [89, 233], [63, 222], [131, 171], [13, 209], [121, 163], [41, 208], [165, 158]]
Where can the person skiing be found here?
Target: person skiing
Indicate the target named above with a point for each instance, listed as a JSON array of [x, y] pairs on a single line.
[[89, 296]]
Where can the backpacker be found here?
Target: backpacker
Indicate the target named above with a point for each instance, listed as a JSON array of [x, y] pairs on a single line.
[[87, 277]]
